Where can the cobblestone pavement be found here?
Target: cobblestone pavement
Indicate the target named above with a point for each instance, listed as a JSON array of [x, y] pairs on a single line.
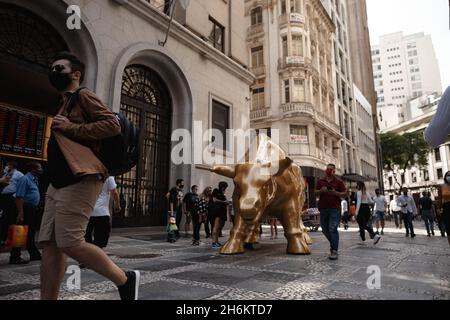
[[410, 269]]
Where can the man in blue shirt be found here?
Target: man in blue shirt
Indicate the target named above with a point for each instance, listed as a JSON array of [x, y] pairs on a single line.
[[27, 201], [7, 203]]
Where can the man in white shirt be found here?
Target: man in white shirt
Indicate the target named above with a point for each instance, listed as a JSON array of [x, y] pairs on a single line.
[[344, 213], [409, 210], [379, 209], [100, 223], [7, 200], [396, 211]]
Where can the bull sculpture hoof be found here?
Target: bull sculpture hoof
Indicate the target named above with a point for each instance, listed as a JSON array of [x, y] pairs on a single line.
[[232, 247], [306, 237], [297, 246]]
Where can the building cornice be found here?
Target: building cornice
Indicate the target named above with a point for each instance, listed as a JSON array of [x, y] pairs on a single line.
[[187, 37], [317, 4]]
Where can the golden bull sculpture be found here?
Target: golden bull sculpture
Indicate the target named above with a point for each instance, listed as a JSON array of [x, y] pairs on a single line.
[[269, 185]]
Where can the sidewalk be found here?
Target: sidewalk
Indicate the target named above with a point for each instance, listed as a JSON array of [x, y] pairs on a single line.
[[410, 269]]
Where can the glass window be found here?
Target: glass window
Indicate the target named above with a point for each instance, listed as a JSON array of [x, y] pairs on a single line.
[[285, 46], [440, 174], [437, 155], [297, 45], [221, 120], [283, 6], [256, 16], [258, 99], [299, 90], [257, 57], [287, 91], [217, 35], [299, 134]]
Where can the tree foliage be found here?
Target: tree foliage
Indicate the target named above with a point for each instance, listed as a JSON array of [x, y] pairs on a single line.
[[401, 152]]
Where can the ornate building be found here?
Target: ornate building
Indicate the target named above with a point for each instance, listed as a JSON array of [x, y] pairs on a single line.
[[292, 56]]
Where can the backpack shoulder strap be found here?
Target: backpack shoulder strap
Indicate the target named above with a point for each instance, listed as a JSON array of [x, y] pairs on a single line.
[[73, 100]]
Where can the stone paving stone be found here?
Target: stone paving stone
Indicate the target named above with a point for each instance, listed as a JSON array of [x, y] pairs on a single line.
[[411, 269], [162, 290], [8, 289]]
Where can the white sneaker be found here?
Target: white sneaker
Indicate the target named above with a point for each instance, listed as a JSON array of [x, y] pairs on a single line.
[[376, 239]]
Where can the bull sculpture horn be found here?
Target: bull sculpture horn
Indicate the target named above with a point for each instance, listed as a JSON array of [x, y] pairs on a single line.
[[226, 171]]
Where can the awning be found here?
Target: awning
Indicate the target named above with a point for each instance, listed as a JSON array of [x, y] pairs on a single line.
[[354, 177]]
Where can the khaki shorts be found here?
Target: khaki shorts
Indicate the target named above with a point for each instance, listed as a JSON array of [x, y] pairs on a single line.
[[67, 211]]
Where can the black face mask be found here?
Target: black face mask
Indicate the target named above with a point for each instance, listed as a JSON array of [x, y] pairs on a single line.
[[59, 80]]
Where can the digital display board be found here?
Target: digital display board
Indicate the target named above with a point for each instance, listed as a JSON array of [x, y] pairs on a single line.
[[23, 133]]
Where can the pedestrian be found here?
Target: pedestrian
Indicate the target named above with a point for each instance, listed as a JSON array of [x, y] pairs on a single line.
[[380, 204], [396, 211], [344, 213], [409, 210], [445, 200], [330, 191], [220, 212], [175, 198], [189, 207], [200, 213], [363, 214], [71, 197], [27, 198], [438, 130], [438, 210], [273, 221], [99, 226], [189, 202], [426, 211], [7, 200]]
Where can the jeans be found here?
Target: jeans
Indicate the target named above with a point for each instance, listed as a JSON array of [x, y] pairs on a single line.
[[408, 219], [427, 216], [197, 225], [329, 222], [398, 218], [179, 215], [363, 222]]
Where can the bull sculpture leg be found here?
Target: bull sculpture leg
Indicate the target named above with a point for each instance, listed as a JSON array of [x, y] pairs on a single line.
[[305, 233], [235, 244], [294, 234], [252, 234]]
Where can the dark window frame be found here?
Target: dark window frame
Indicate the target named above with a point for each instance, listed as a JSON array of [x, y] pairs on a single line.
[[215, 123], [212, 37]]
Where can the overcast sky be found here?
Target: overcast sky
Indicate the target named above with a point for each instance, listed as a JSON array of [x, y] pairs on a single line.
[[412, 16]]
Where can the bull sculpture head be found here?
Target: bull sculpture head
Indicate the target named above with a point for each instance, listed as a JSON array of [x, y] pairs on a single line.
[[271, 184]]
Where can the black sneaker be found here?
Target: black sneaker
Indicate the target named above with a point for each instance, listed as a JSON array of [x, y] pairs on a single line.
[[130, 290], [413, 235], [407, 235]]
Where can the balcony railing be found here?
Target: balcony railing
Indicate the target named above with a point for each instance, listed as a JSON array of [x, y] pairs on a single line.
[[327, 122], [255, 30], [305, 149], [258, 71], [290, 109], [293, 18], [259, 114], [293, 62]]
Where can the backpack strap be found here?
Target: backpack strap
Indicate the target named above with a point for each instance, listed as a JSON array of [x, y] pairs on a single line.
[[73, 100]]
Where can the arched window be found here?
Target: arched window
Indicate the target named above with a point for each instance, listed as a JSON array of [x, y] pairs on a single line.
[[256, 16]]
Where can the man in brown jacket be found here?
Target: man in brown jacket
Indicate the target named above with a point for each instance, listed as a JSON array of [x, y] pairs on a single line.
[[75, 183]]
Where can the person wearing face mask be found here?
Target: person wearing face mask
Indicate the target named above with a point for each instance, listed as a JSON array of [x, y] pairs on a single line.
[[409, 210], [330, 191], [11, 177], [445, 200], [27, 198], [76, 182]]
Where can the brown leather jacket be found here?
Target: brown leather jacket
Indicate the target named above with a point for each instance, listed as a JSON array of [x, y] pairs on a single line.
[[90, 122]]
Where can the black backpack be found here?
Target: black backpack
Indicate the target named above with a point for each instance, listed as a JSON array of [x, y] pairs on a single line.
[[119, 154]]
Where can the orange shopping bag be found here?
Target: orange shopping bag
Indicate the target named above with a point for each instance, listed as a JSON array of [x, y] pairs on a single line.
[[17, 236]]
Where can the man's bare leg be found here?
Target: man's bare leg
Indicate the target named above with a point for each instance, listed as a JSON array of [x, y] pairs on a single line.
[[96, 259], [52, 271]]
